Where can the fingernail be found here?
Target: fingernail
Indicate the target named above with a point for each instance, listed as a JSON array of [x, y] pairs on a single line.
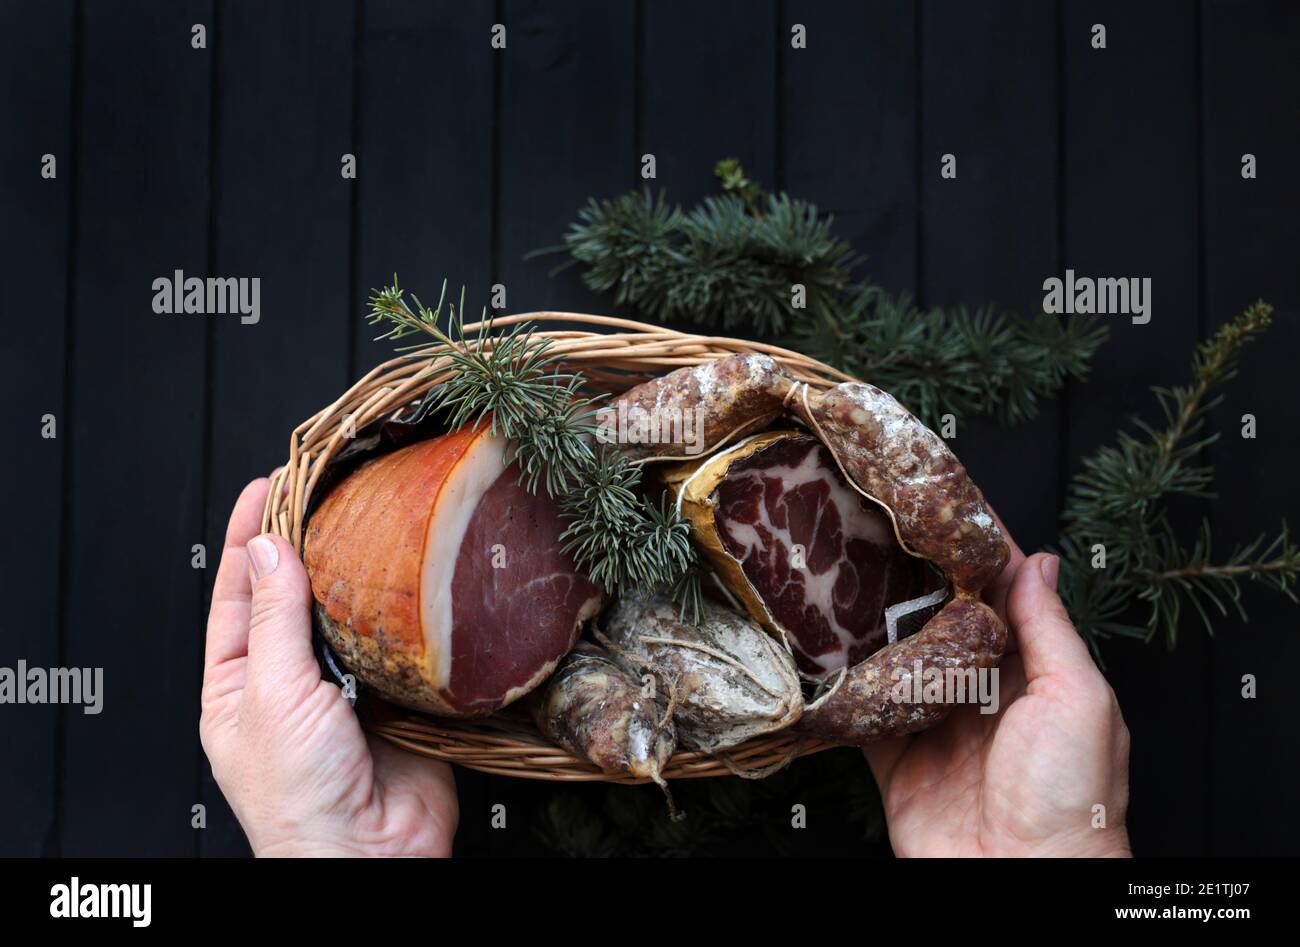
[[263, 555], [1050, 566]]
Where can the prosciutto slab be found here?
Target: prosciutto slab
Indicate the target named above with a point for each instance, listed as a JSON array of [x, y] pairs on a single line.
[[439, 580]]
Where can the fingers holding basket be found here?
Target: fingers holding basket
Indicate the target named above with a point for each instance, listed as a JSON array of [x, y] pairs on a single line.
[[232, 591]]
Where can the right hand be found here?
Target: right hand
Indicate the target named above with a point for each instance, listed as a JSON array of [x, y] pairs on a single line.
[[1026, 780]]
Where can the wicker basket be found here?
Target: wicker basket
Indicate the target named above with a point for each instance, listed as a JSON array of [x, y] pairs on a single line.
[[618, 354]]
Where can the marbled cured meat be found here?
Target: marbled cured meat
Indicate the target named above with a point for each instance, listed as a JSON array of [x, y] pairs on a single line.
[[439, 580], [825, 563], [818, 563]]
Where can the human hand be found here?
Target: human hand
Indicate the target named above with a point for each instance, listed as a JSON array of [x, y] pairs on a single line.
[[285, 746], [1023, 781]]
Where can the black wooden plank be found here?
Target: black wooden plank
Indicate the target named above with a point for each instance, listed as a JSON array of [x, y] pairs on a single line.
[[1212, 772], [848, 142], [426, 98], [708, 88], [1132, 209], [1251, 235], [989, 236], [848, 106], [709, 91], [283, 215], [36, 70], [566, 133], [130, 774], [425, 139]]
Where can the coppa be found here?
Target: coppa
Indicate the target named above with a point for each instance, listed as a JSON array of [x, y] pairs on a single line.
[[825, 564], [820, 564], [439, 580]]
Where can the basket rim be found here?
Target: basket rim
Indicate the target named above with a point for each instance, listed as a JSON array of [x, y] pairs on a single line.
[[635, 351]]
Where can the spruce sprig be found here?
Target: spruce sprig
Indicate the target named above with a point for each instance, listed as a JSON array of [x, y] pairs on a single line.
[[628, 541], [731, 264], [950, 361], [1118, 501], [720, 265], [510, 379]]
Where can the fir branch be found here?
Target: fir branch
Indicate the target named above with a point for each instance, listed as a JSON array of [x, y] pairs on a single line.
[[732, 263], [721, 265], [509, 380], [950, 361], [1118, 500], [621, 540], [1180, 577], [731, 176], [628, 248], [1243, 564]]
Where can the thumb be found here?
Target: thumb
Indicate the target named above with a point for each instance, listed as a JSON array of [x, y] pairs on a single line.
[[1045, 636], [279, 633]]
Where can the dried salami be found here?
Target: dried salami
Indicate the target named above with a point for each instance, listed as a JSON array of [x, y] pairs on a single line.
[[731, 397], [597, 709], [892, 457], [874, 700]]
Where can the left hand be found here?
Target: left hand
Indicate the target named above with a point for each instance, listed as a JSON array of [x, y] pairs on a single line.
[[286, 748]]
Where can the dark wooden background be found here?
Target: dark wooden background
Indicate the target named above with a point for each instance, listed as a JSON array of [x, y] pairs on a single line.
[[225, 161]]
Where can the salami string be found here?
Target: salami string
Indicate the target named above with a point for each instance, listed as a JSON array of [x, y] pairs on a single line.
[[762, 772], [341, 677], [824, 689]]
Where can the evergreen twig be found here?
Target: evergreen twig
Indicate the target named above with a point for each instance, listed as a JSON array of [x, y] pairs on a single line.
[[950, 361], [733, 262], [1118, 502]]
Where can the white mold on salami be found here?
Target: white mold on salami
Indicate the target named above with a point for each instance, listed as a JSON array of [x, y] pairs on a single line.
[[890, 456], [865, 706], [736, 395], [598, 709]]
